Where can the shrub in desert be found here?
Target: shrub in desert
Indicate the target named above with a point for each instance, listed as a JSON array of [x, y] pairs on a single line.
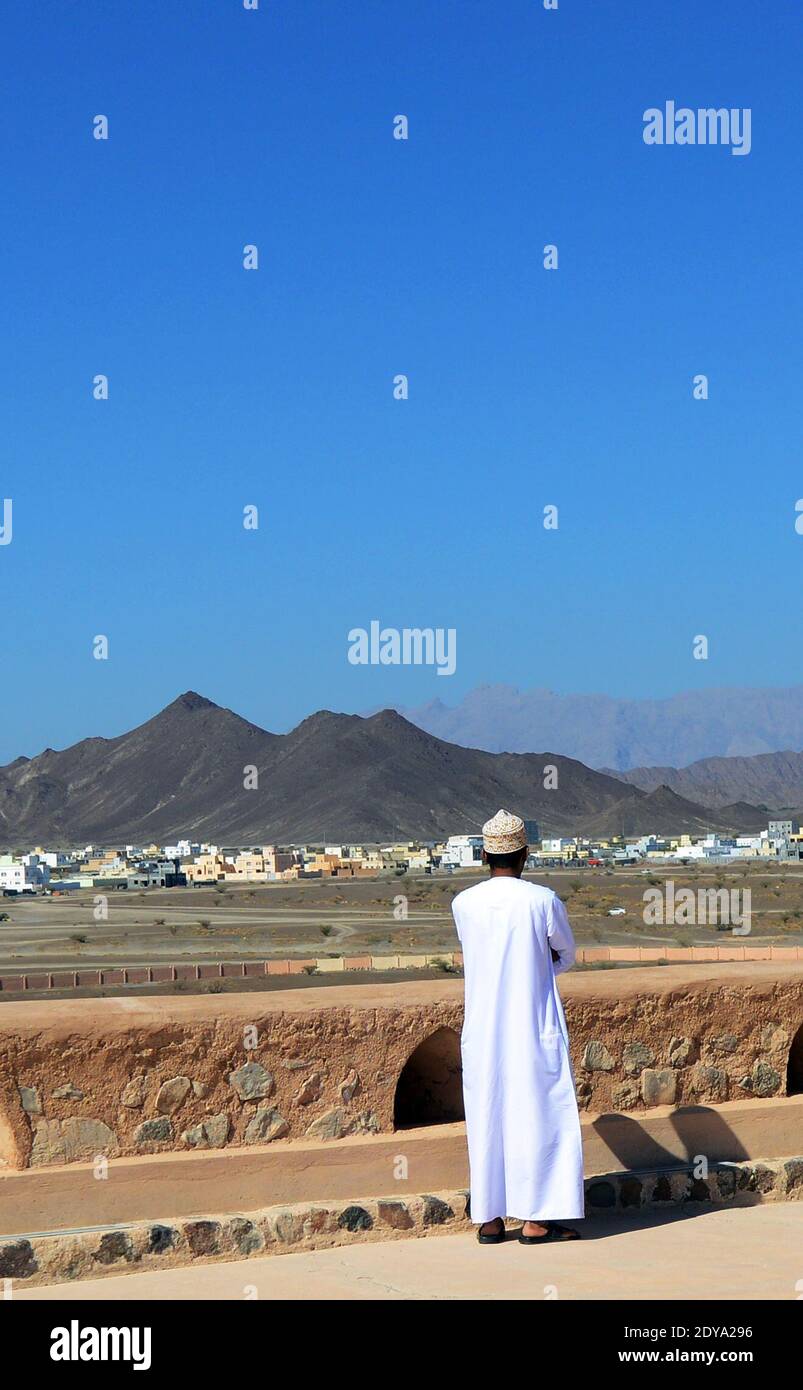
[[310, 969], [326, 931]]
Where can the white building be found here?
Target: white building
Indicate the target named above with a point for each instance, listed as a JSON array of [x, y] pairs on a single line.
[[12, 873], [462, 851]]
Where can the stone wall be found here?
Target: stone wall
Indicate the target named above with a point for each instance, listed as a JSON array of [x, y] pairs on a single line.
[[82, 1079], [209, 1239]]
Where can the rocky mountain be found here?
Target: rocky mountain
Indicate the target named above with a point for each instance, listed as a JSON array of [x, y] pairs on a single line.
[[605, 732], [335, 776], [768, 779]]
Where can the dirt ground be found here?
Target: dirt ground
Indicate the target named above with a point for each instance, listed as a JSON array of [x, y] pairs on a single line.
[[351, 917]]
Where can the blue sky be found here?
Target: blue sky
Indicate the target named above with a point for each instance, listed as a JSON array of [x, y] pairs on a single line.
[[379, 257]]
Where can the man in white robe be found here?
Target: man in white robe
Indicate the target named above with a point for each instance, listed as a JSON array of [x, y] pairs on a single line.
[[522, 1124]]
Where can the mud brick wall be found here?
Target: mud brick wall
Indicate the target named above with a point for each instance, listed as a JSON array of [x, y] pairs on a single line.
[[81, 1079]]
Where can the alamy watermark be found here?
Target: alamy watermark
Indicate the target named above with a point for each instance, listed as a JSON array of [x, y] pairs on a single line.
[[407, 646], [706, 126], [707, 907]]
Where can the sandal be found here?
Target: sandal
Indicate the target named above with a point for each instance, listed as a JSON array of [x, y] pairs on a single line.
[[491, 1239], [553, 1232]]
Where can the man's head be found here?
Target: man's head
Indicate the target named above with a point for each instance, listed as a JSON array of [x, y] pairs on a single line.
[[504, 844], [512, 863]]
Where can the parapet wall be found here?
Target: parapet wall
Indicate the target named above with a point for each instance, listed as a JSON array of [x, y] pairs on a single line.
[[84, 1079]]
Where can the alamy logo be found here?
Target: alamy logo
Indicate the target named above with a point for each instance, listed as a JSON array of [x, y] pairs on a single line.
[[408, 646], [705, 126], [76, 1343]]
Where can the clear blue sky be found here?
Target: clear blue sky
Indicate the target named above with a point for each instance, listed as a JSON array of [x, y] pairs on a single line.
[[378, 257]]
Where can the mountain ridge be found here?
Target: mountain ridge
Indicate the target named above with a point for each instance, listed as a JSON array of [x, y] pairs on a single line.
[[606, 732], [343, 776]]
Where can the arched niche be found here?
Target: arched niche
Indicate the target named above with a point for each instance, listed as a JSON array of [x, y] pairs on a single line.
[[430, 1088]]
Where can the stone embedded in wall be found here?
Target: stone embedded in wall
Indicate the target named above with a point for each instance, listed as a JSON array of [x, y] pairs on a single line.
[[763, 1080], [658, 1087], [158, 1131], [709, 1083], [203, 1237], [698, 1190], [680, 1051], [173, 1094], [436, 1211], [318, 1220], [17, 1260], [627, 1095], [757, 1177], [601, 1194], [200, 1089], [395, 1214], [211, 1133], [134, 1093], [244, 1235], [252, 1081], [583, 1092], [161, 1238], [773, 1038], [30, 1101], [114, 1246], [68, 1141], [349, 1086], [723, 1045], [661, 1191], [630, 1191], [286, 1226], [68, 1092], [791, 1176], [636, 1056], [365, 1123], [266, 1124], [333, 1124], [596, 1057], [309, 1090], [355, 1219]]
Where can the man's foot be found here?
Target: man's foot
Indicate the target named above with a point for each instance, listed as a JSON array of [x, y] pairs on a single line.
[[492, 1232], [538, 1232]]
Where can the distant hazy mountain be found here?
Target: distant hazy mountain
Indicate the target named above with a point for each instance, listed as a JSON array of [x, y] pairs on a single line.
[[769, 779], [335, 776], [604, 732]]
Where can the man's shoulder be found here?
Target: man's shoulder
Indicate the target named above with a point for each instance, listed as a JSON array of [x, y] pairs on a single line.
[[540, 891], [460, 899], [536, 891]]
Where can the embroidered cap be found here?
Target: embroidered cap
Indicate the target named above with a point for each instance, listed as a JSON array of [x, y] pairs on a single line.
[[503, 834]]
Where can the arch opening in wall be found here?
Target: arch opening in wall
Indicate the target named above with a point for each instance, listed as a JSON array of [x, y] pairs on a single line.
[[794, 1071], [430, 1088]]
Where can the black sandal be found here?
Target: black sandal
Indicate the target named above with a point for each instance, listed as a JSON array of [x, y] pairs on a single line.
[[553, 1232], [492, 1239]]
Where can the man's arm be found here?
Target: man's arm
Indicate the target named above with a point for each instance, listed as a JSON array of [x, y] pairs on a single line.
[[560, 936]]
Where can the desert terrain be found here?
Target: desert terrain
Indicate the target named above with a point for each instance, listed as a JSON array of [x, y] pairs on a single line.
[[338, 917]]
